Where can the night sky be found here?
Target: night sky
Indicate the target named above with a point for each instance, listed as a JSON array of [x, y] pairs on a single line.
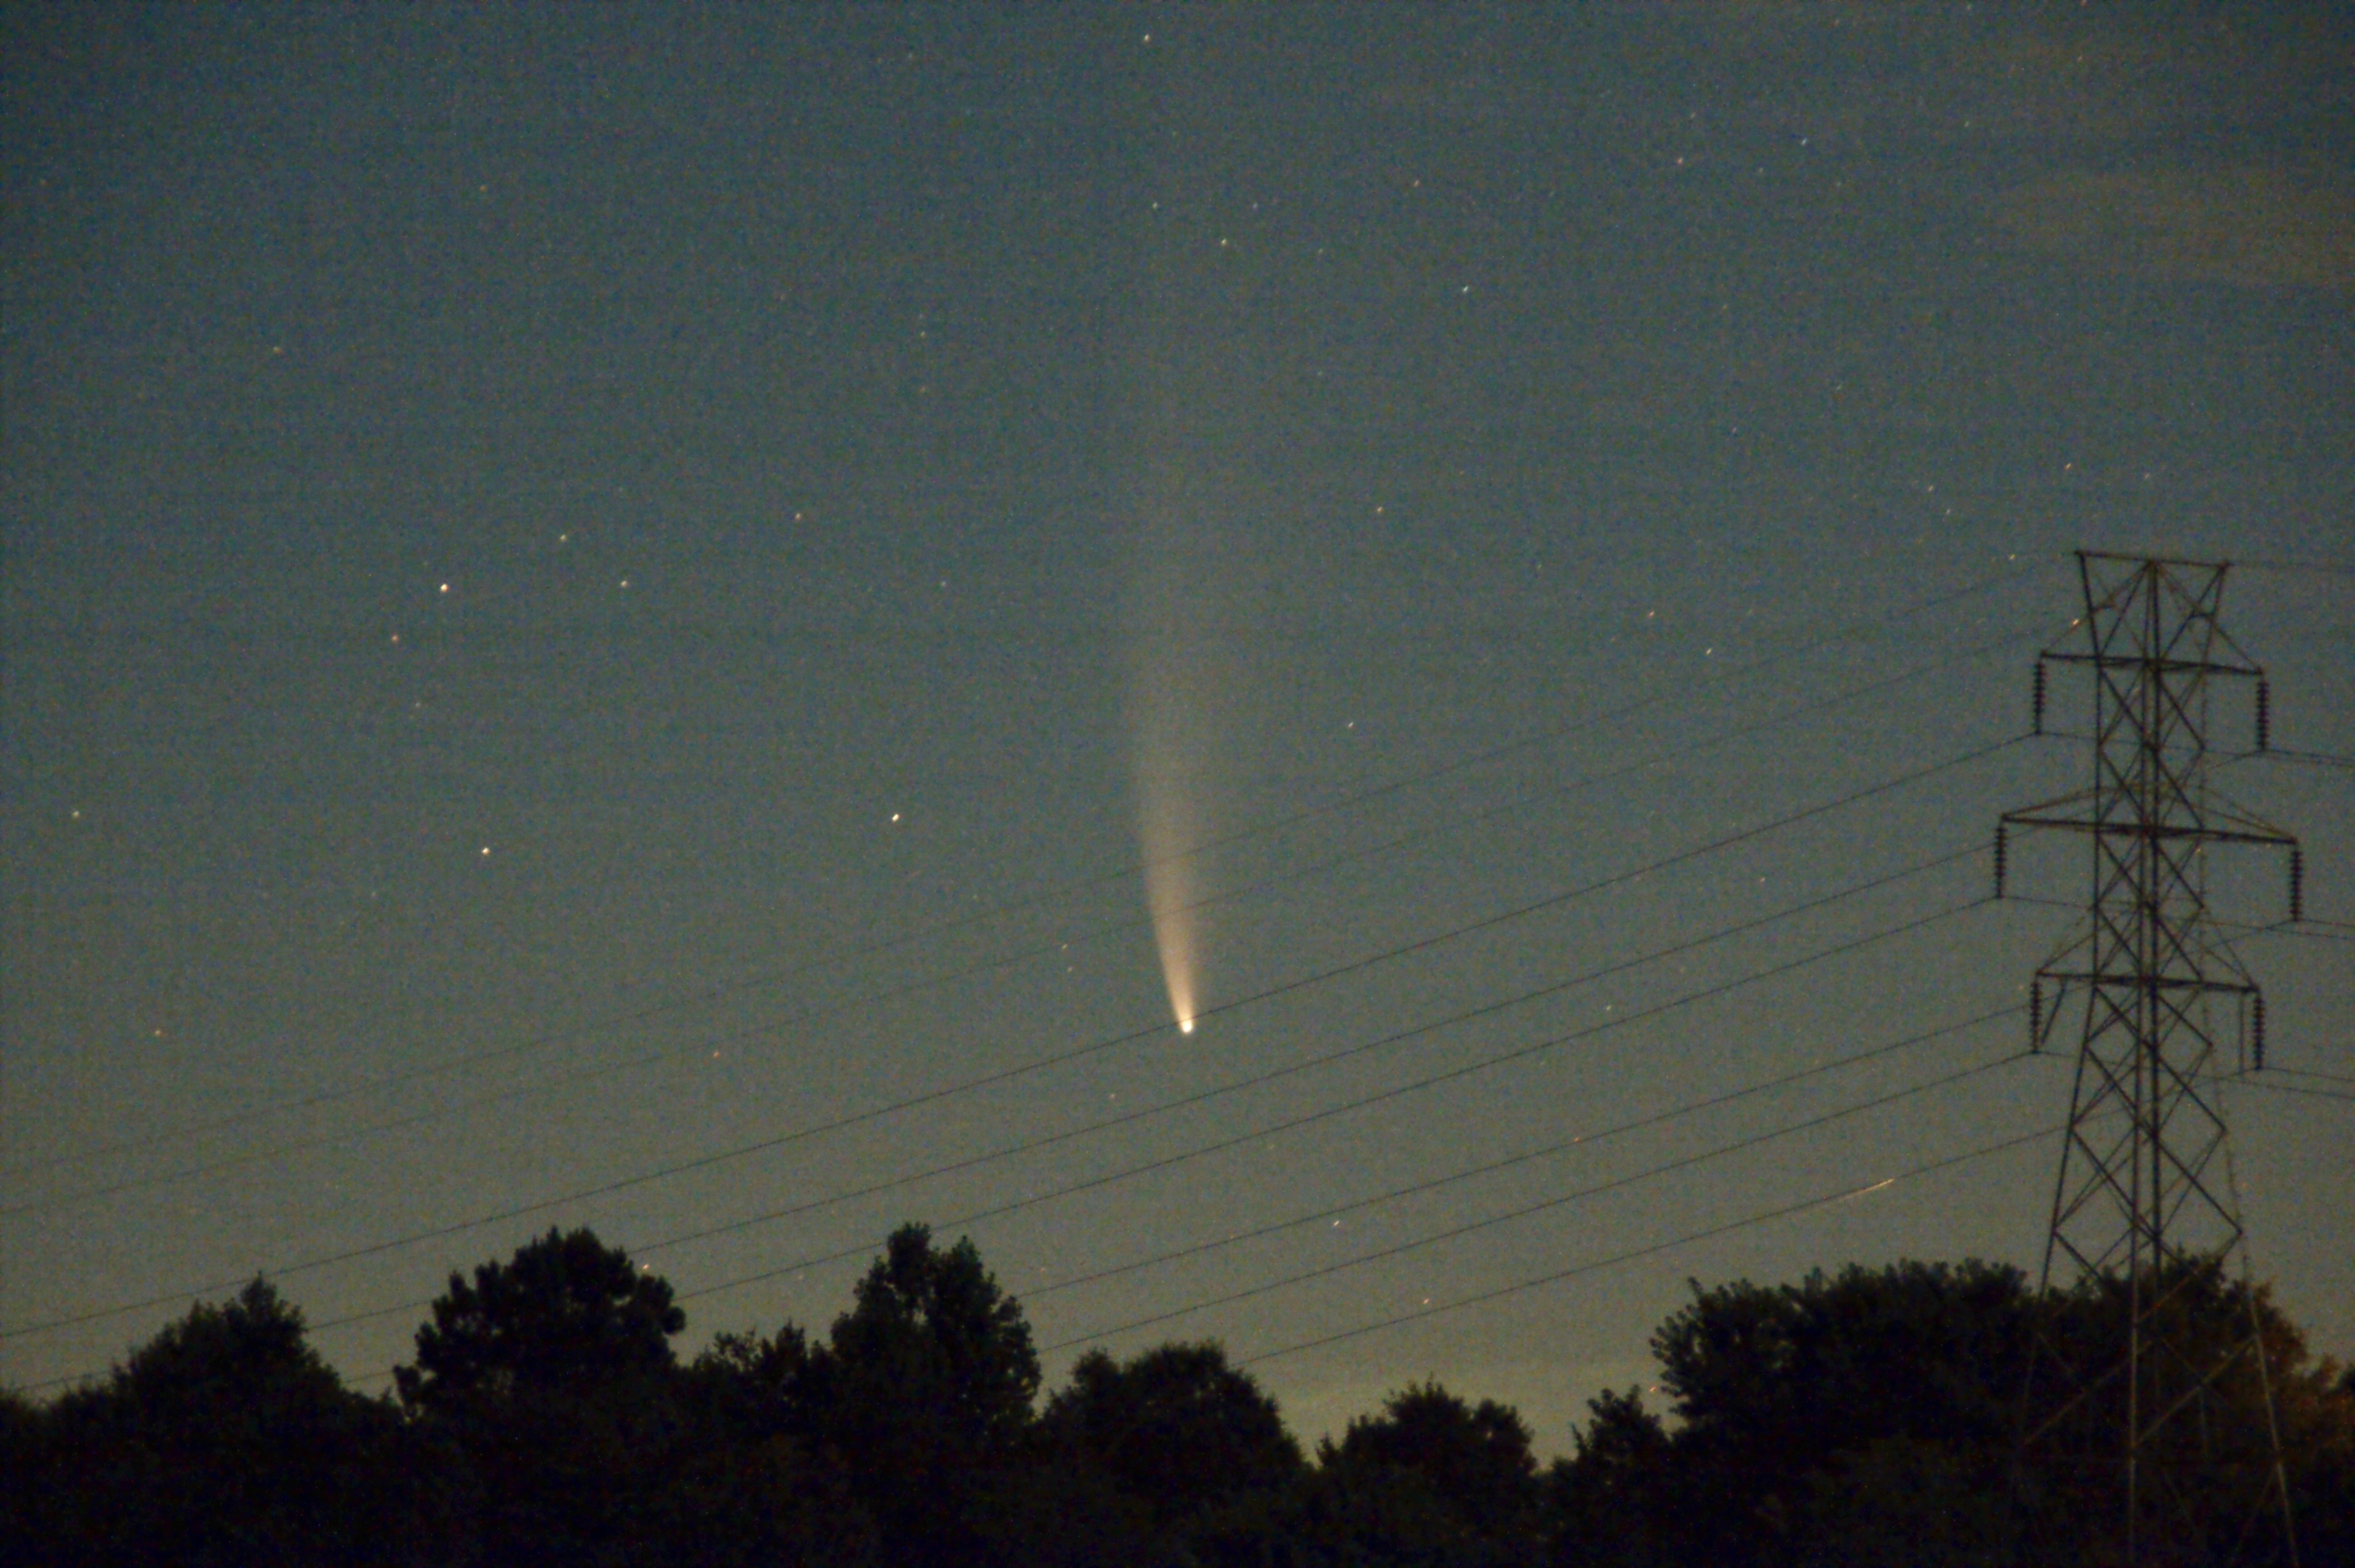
[[619, 618]]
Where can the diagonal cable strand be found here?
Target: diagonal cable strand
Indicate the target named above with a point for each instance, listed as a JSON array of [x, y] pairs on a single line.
[[1650, 1173], [1331, 1058], [1036, 1064], [1312, 1118], [1093, 1183], [2308, 1072], [1763, 1217], [1096, 1182], [2298, 1089], [988, 965], [769, 979], [1581, 1140]]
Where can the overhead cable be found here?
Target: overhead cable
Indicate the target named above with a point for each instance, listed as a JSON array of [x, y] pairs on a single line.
[[1582, 1141], [777, 977], [1311, 1118], [1352, 966], [1000, 962], [1263, 1132], [1763, 1217], [1579, 1195]]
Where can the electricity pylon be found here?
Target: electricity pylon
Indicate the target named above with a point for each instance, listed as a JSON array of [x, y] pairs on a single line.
[[2170, 1410]]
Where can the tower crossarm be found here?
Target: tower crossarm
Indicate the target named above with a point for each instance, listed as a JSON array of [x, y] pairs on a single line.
[[2156, 665], [2033, 817], [2153, 982]]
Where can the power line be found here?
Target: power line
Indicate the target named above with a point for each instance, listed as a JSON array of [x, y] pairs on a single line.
[[1686, 1163], [1313, 1063], [1279, 1128], [1310, 1118], [1313, 1117], [1761, 1218], [2311, 759], [772, 977], [2308, 1072], [1201, 1151], [1003, 961], [1294, 1124], [1038, 1063], [2330, 568], [2297, 1089], [1636, 1254], [1582, 1140]]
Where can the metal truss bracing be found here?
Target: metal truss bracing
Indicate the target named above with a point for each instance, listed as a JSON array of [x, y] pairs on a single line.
[[2172, 1413]]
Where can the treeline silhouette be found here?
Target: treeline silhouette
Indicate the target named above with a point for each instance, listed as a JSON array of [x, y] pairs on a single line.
[[1869, 1418]]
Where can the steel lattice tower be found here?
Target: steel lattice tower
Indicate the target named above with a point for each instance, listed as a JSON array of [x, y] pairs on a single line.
[[2146, 1228]]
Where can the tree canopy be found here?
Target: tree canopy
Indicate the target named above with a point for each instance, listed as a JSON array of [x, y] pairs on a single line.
[[1862, 1417], [1175, 1427], [223, 1440], [923, 1393], [565, 1310]]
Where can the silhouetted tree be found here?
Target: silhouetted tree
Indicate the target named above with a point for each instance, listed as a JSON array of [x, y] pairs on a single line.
[[1924, 1351], [1141, 1462], [1873, 1417], [566, 1312], [24, 1434], [1609, 1499], [1477, 1459], [2215, 1468], [1869, 1418], [1770, 1383], [552, 1375], [923, 1391], [1434, 1478], [1175, 1427], [744, 1487], [1900, 1502], [751, 1385], [225, 1439], [2318, 1417]]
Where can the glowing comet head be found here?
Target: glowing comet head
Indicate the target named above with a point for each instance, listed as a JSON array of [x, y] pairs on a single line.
[[1176, 710], [1169, 886], [1169, 834]]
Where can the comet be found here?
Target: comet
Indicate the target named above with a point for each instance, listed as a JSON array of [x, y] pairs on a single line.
[[1172, 712], [1168, 820], [1167, 827]]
